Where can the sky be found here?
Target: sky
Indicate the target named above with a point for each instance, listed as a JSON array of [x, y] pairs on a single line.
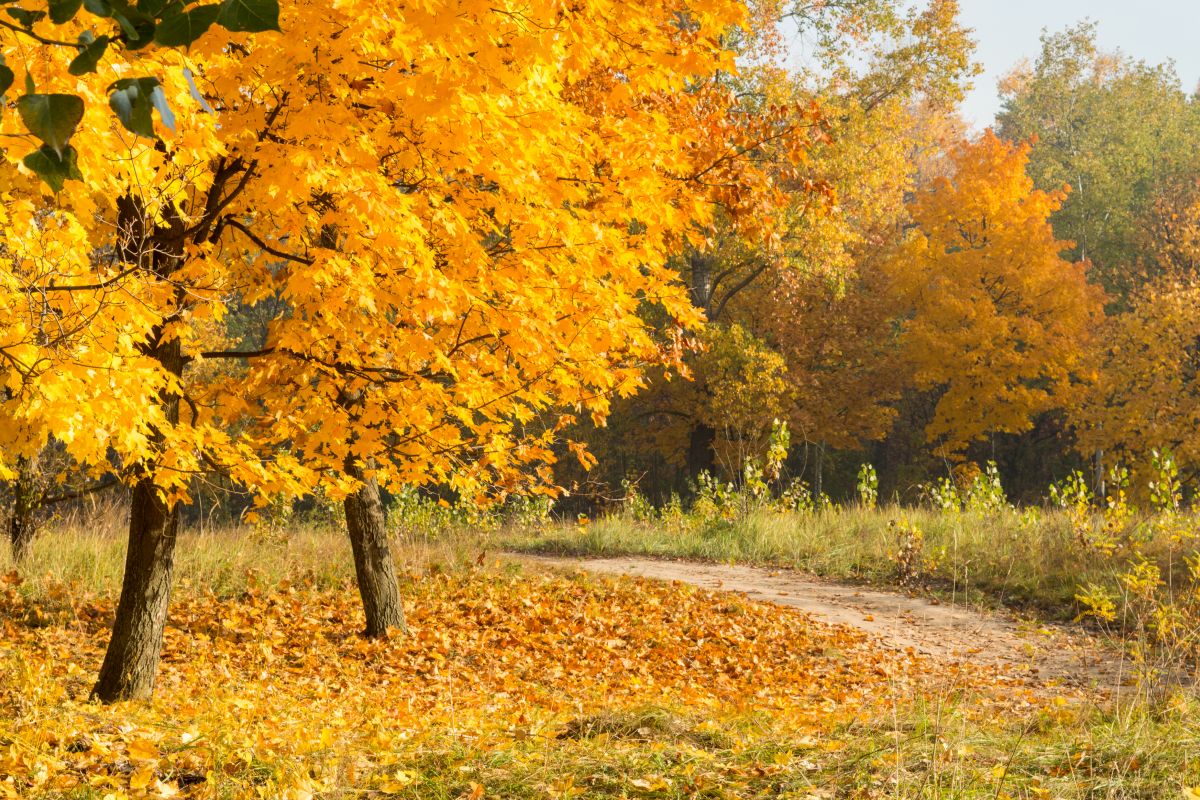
[[1008, 31]]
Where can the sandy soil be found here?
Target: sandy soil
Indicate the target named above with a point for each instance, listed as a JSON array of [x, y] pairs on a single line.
[[1047, 655]]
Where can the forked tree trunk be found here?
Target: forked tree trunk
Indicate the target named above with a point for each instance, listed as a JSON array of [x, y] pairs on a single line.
[[22, 525], [131, 662], [373, 564]]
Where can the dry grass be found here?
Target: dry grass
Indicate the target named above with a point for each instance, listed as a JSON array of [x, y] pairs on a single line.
[[88, 551], [1006, 556]]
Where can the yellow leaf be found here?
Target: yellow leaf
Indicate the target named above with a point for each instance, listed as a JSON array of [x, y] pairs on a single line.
[[141, 778], [164, 790], [397, 782], [142, 750]]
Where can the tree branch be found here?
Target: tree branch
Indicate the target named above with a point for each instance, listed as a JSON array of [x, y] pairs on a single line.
[[266, 351], [252, 236], [87, 287], [42, 39], [742, 284], [107, 483]]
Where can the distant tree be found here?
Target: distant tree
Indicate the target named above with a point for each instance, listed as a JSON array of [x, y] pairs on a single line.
[[993, 319], [1112, 128], [873, 64], [39, 483]]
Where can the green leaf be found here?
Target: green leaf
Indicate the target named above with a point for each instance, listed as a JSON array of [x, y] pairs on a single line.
[[181, 29], [100, 8], [135, 99], [249, 15], [53, 168], [138, 31], [6, 78], [137, 26], [88, 57], [52, 118], [64, 10], [127, 26], [25, 18]]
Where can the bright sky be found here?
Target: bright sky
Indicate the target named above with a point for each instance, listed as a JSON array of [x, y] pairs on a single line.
[[1008, 31]]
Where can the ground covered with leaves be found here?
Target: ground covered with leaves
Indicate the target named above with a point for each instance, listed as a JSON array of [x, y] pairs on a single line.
[[508, 684]]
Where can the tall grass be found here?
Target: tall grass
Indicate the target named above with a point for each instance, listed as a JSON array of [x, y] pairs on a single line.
[[1005, 555], [87, 552], [1001, 556]]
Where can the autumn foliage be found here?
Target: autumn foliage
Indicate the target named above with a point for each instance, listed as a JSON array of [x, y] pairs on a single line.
[[994, 319]]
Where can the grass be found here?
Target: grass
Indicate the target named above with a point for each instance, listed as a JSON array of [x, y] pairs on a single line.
[[274, 696], [928, 753], [1005, 556], [87, 553]]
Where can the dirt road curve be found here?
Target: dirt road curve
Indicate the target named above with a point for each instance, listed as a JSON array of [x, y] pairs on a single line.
[[1045, 655]]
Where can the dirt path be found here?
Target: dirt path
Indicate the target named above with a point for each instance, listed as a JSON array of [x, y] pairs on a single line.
[[1041, 655]]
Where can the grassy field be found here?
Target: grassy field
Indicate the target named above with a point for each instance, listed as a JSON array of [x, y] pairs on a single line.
[[1018, 558], [514, 683]]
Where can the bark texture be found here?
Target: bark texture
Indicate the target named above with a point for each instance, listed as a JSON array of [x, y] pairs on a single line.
[[21, 531], [131, 662], [22, 525], [373, 564]]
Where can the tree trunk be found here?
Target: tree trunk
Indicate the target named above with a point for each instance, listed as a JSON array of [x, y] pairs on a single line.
[[701, 456], [373, 565], [21, 531], [701, 280], [819, 472], [131, 662], [22, 525]]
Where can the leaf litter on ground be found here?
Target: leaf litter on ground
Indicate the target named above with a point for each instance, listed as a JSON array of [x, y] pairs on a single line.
[[272, 693]]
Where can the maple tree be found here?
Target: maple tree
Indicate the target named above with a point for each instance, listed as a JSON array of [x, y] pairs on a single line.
[[438, 288], [993, 319]]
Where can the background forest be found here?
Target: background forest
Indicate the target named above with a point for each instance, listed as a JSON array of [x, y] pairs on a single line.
[[1024, 296]]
